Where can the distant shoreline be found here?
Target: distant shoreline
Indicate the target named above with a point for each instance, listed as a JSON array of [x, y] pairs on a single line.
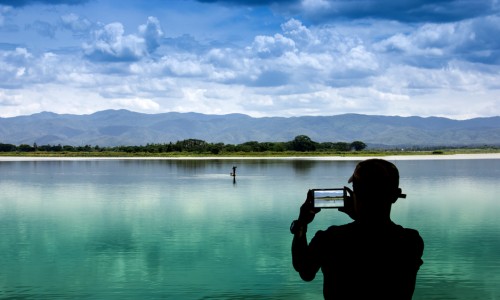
[[318, 158]]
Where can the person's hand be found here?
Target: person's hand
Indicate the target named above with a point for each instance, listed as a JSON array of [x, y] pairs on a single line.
[[307, 210], [349, 204]]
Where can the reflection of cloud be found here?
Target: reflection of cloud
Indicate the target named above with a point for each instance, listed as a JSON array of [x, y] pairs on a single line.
[[114, 239]]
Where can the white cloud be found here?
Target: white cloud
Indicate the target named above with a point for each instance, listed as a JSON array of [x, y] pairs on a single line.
[[14, 66], [111, 44], [183, 66], [53, 97], [43, 28], [315, 5], [272, 46], [76, 24], [416, 11], [371, 68], [470, 40], [151, 32], [299, 33], [137, 104], [9, 98], [4, 10]]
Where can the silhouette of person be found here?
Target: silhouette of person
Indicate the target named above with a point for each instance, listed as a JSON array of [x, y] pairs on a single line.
[[234, 174], [370, 258]]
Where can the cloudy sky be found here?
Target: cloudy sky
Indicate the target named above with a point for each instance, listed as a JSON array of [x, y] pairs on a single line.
[[257, 57]]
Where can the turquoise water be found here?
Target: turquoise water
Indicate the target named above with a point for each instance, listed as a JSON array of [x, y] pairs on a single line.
[[182, 229]]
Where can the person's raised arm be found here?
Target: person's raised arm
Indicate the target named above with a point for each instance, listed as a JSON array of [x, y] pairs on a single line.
[[348, 208], [301, 258]]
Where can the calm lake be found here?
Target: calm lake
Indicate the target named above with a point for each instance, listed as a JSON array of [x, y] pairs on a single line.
[[182, 229]]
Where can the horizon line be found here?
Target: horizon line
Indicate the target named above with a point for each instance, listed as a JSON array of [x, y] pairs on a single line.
[[243, 114]]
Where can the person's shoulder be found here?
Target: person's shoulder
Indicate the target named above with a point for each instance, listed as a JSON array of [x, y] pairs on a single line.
[[343, 227], [412, 235], [334, 232], [340, 229], [410, 231]]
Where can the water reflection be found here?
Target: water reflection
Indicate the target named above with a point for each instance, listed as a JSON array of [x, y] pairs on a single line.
[[180, 229]]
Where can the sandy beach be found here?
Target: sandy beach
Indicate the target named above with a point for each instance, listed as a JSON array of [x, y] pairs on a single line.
[[319, 158]]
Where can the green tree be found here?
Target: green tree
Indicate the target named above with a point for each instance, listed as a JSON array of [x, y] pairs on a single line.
[[215, 148], [192, 145], [26, 148], [303, 143], [69, 148], [358, 145], [278, 147], [7, 148], [341, 146], [230, 148]]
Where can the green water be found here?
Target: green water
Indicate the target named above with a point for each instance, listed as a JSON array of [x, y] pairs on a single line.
[[182, 229]]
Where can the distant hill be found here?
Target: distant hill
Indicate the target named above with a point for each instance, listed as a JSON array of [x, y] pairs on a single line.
[[122, 127]]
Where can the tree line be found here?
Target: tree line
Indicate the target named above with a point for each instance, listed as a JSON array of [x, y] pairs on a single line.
[[300, 143]]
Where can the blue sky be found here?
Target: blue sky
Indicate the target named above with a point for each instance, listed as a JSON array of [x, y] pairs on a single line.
[[257, 57]]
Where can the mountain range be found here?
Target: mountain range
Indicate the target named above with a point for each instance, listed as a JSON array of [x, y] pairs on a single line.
[[123, 127]]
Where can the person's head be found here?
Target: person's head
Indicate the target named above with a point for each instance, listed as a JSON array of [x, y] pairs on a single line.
[[376, 187]]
